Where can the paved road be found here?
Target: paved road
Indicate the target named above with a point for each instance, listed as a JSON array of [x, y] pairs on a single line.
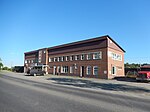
[[20, 95]]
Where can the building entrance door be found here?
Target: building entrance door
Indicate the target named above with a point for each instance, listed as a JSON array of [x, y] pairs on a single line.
[[58, 70], [82, 71]]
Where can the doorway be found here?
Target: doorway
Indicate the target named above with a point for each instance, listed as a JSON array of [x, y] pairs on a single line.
[[82, 71]]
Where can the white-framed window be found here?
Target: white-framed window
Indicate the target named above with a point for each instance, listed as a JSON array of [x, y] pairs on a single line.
[[71, 69], [77, 57], [116, 57], [63, 58], [64, 69], [50, 59], [31, 61], [28, 61], [40, 53], [25, 61], [82, 56], [97, 55], [95, 70], [88, 70], [58, 59], [67, 58], [88, 56], [71, 58], [55, 59]]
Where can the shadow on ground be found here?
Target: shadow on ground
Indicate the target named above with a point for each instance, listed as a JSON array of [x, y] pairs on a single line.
[[125, 79], [104, 86]]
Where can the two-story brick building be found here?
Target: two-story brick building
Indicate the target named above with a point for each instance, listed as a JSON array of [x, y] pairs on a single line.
[[99, 57]]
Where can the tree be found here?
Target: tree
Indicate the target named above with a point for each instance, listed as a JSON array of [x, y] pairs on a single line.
[[133, 65], [1, 64]]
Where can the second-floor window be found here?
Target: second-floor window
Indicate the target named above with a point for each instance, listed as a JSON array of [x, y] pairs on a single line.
[[63, 58], [97, 55], [71, 58], [25, 61], [77, 57], [67, 58], [50, 59], [55, 59], [89, 56], [82, 56]]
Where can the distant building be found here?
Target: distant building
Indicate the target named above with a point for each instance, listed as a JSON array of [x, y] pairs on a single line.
[[99, 57]]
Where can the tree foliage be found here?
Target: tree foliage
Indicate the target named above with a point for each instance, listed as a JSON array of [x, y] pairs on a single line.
[[1, 64], [133, 65], [7, 68]]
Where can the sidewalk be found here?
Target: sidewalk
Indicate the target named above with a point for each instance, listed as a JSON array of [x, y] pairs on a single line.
[[111, 86]]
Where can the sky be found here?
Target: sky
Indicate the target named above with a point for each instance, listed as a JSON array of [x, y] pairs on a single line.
[[27, 25]]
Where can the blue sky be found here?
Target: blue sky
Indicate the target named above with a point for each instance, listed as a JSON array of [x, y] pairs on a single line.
[[27, 25]]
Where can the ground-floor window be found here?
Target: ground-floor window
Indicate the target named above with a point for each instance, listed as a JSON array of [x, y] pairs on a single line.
[[64, 69], [95, 70], [71, 69], [88, 70], [113, 70]]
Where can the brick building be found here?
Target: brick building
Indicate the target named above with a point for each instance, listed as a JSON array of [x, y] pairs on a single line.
[[99, 57]]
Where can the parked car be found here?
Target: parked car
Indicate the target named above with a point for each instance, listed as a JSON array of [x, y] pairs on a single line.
[[131, 74], [38, 70]]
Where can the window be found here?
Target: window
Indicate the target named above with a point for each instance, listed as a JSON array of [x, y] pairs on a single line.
[[40, 53], [97, 55], [95, 70], [113, 70], [71, 58], [82, 56], [89, 56], [71, 69], [63, 58], [50, 59], [59, 59], [77, 57], [29, 61], [88, 70], [67, 58], [25, 61], [116, 57], [55, 59], [65, 69]]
